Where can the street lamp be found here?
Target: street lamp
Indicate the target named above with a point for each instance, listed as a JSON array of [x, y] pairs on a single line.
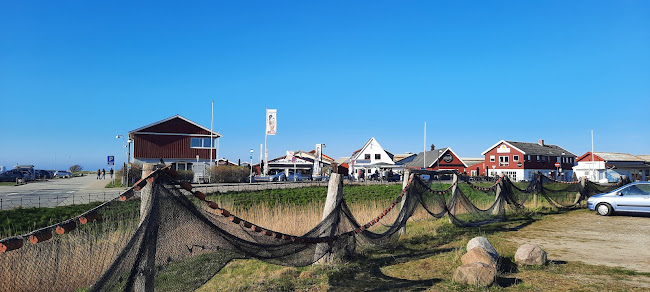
[[127, 159], [251, 172]]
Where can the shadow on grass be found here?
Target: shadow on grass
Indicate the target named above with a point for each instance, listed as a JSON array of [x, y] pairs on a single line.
[[507, 282]]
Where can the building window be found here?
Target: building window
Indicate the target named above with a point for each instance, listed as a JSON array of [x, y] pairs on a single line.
[[537, 158], [527, 157], [377, 156], [491, 158], [504, 161], [366, 157], [202, 143], [543, 158], [515, 157]]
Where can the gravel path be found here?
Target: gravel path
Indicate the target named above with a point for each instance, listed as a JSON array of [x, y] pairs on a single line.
[[617, 241]]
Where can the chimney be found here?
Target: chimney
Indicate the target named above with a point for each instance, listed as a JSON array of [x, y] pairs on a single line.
[[540, 142]]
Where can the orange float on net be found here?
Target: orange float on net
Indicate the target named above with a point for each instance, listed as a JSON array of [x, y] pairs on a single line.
[[40, 236], [10, 244], [213, 205], [90, 217], [267, 232], [171, 172], [235, 219], [126, 195], [256, 228], [277, 234], [199, 195], [186, 186], [66, 227], [247, 224], [224, 212]]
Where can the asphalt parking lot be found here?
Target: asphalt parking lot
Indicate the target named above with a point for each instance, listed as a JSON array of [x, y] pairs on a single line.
[[56, 192]]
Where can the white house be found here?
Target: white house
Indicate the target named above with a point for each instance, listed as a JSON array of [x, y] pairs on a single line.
[[372, 158], [609, 166]]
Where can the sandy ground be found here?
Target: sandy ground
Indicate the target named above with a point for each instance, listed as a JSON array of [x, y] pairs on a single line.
[[617, 241]]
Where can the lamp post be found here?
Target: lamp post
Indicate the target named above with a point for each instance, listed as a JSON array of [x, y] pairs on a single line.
[[251, 172], [128, 157]]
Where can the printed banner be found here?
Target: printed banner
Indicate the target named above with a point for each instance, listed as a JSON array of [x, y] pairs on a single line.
[[271, 121]]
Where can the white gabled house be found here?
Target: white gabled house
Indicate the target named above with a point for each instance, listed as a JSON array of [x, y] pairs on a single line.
[[371, 158]]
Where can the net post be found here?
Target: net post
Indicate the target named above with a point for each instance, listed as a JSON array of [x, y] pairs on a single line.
[[454, 189], [334, 195], [405, 182], [499, 196], [144, 278]]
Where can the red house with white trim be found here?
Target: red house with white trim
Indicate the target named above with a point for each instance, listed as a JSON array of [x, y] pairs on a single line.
[[177, 140], [521, 160]]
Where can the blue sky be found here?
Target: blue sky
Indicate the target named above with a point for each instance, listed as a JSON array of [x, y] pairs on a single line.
[[73, 74]]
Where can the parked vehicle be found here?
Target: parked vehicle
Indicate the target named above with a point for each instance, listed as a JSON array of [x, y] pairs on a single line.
[[27, 171], [321, 178], [43, 174], [298, 177], [63, 174], [633, 197], [279, 176], [11, 175]]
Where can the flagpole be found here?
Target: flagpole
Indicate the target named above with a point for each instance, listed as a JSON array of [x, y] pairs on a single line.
[[424, 150], [211, 139], [592, 155], [266, 154]]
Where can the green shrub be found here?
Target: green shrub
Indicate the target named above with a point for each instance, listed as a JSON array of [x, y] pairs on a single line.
[[229, 174], [185, 175]]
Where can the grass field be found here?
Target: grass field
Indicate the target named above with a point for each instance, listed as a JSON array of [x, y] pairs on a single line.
[[423, 259]]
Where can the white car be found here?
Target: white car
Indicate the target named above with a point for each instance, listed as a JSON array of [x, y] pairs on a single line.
[[63, 174]]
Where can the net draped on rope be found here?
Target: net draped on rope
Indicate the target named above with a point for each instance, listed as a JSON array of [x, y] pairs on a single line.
[[184, 239]]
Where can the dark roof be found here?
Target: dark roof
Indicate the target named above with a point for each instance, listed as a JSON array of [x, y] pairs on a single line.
[[536, 149], [431, 157]]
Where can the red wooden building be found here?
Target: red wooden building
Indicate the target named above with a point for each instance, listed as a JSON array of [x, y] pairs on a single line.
[[177, 140], [521, 160]]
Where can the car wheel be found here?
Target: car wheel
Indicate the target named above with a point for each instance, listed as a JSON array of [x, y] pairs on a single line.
[[604, 209]]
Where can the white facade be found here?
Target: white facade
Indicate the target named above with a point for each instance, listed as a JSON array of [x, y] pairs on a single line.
[[372, 158]]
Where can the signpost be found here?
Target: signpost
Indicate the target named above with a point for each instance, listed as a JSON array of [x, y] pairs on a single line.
[[111, 161], [557, 165]]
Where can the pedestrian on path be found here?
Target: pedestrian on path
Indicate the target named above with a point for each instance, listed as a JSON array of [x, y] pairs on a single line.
[[111, 172], [103, 173], [99, 173]]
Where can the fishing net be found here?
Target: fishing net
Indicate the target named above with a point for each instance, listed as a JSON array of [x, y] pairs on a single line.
[[183, 240]]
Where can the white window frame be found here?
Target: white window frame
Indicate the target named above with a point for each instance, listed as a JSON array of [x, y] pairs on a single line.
[[515, 157], [492, 158]]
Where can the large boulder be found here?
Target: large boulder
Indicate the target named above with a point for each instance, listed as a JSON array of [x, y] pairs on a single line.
[[476, 274], [530, 254], [478, 255], [485, 244]]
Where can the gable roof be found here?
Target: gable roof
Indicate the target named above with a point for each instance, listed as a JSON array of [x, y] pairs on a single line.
[[612, 156], [355, 154], [216, 134], [431, 157], [533, 148]]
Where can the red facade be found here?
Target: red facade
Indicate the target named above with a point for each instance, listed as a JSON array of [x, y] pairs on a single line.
[[511, 158], [170, 139]]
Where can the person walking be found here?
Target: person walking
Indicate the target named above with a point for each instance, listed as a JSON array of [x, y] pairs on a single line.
[[111, 172], [99, 173], [103, 173]]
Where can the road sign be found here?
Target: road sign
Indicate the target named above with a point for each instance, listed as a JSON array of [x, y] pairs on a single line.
[[111, 160], [557, 164]]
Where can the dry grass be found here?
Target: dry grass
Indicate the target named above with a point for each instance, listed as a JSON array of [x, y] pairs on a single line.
[[299, 219], [65, 263]]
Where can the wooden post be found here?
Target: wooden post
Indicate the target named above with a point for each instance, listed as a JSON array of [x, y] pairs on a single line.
[[498, 198], [145, 273], [454, 189], [407, 177], [334, 194]]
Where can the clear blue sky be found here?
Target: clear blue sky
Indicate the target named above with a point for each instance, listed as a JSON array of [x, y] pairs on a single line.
[[73, 74]]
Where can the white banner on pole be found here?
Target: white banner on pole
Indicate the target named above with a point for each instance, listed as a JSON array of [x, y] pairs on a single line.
[[271, 121]]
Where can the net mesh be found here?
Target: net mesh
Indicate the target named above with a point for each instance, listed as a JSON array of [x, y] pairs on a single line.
[[183, 240]]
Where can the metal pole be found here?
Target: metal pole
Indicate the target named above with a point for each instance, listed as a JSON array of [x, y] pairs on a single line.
[[424, 149], [211, 140]]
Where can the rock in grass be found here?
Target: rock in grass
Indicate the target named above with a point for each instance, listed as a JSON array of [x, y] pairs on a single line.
[[485, 244], [478, 255], [530, 254], [476, 274]]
